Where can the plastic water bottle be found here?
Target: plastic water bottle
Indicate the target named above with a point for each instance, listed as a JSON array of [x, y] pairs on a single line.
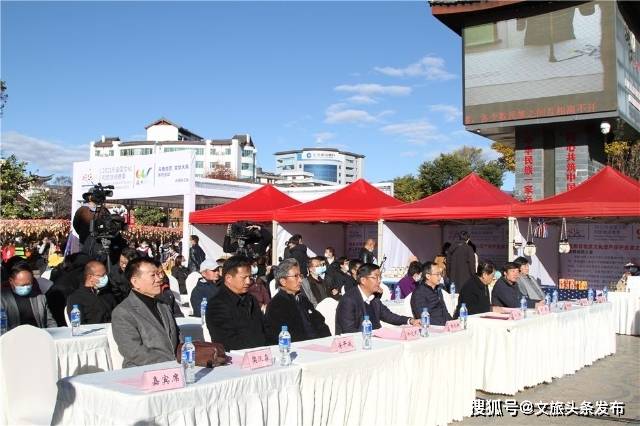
[[367, 331], [590, 295], [452, 291], [203, 310], [547, 300], [605, 293], [74, 317], [189, 360], [464, 314], [523, 306], [4, 325], [398, 295], [425, 322], [554, 299], [284, 344]]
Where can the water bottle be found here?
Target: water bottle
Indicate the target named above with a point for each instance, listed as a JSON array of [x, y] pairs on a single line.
[[590, 295], [605, 293], [284, 344], [189, 360], [464, 314], [425, 322], [547, 300], [523, 306], [203, 310], [367, 331], [74, 317], [452, 291], [398, 295], [554, 299], [4, 325]]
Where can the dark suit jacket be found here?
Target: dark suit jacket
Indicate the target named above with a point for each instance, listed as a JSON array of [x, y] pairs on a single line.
[[505, 295], [235, 321], [284, 310], [351, 310], [426, 297], [95, 306], [141, 339], [476, 295], [461, 264]]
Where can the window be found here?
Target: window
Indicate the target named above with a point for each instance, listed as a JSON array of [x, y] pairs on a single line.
[[326, 172], [136, 151], [247, 153], [246, 166], [212, 165], [199, 151], [227, 165], [227, 151], [214, 152], [199, 165]]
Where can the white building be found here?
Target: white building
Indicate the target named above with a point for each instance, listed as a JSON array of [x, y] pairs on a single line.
[[237, 154], [328, 165]]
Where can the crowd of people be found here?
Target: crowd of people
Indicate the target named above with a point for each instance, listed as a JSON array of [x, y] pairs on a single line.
[[248, 301]]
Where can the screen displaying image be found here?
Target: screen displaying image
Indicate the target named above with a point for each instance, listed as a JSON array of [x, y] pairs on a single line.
[[557, 63]]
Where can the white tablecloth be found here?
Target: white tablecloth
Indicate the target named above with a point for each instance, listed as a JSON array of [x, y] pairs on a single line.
[[84, 354], [626, 312], [404, 306], [222, 396], [512, 355]]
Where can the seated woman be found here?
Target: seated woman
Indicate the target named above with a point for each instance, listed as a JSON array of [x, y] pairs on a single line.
[[475, 292], [23, 303]]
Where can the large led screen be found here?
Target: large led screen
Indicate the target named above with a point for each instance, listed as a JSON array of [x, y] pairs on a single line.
[[546, 65]]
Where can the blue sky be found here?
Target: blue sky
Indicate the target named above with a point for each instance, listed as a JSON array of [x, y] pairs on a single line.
[[378, 78]]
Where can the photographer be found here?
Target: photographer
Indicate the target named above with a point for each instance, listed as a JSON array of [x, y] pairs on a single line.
[[247, 239]]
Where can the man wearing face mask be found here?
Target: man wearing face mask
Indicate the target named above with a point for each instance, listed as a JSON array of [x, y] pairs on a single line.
[[316, 278], [22, 303], [95, 299], [338, 277], [408, 282]]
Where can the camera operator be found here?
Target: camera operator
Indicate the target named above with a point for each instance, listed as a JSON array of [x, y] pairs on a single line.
[[247, 239]]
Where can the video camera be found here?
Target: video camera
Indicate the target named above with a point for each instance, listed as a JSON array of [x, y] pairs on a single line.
[[98, 193], [247, 239], [246, 231]]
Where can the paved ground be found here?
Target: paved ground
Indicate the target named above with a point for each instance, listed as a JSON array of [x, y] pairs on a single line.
[[613, 378]]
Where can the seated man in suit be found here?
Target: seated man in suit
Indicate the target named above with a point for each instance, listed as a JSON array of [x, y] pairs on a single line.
[[506, 293], [143, 327], [22, 301], [361, 301], [428, 294], [95, 299], [291, 307], [233, 316]]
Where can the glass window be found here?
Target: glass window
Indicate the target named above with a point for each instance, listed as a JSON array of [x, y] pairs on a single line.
[[247, 153], [227, 164], [214, 152], [212, 165], [326, 172], [199, 165], [199, 151], [246, 166], [227, 151]]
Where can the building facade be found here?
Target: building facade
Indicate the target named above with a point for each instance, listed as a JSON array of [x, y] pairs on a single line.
[[326, 165], [237, 154]]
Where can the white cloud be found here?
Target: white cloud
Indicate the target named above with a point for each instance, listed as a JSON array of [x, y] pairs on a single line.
[[417, 132], [338, 113], [323, 137], [430, 67], [451, 112], [410, 154], [374, 89], [362, 99], [42, 155]]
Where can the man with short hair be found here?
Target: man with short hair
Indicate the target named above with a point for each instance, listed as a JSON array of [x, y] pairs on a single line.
[[354, 265], [144, 329], [296, 249], [527, 285], [290, 307], [196, 254], [315, 282], [338, 277], [361, 301], [233, 316], [429, 295], [95, 299], [366, 253], [505, 292], [207, 286]]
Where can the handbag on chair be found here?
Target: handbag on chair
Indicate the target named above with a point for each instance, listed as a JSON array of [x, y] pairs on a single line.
[[208, 354]]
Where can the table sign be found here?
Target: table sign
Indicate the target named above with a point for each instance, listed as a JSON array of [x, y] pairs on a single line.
[[600, 299], [410, 332], [257, 359], [452, 326], [542, 310], [343, 344], [583, 302], [158, 380]]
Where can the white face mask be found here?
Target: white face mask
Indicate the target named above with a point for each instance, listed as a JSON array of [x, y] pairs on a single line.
[[103, 281], [254, 270]]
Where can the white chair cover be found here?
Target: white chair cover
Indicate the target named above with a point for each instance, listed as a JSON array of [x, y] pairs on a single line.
[[47, 274], [406, 306], [44, 284], [272, 287], [116, 357], [175, 287], [66, 317], [191, 281], [386, 293], [327, 307], [206, 334], [28, 375]]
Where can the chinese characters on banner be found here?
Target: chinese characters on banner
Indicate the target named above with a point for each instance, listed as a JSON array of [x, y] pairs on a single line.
[[527, 171], [571, 160], [526, 114]]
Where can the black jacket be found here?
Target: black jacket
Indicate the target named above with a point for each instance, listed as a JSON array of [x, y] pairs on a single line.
[[235, 321], [302, 319], [95, 305], [505, 295], [181, 273], [336, 279], [351, 311], [317, 288], [119, 284], [202, 289], [431, 298], [461, 264], [196, 256], [70, 278], [299, 253], [476, 295], [366, 256]]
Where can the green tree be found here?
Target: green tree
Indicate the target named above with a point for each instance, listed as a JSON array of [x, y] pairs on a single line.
[[15, 181], [3, 96], [624, 156], [407, 188], [508, 156], [492, 172], [149, 215]]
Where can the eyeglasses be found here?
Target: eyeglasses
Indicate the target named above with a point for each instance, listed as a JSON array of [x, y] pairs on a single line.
[[293, 276], [375, 277], [434, 273]]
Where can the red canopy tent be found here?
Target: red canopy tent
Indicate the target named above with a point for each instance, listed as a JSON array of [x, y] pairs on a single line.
[[258, 206], [470, 198], [607, 193], [357, 202]]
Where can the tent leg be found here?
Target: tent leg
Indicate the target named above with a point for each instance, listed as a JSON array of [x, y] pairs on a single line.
[[188, 206], [380, 242], [274, 242], [512, 233]]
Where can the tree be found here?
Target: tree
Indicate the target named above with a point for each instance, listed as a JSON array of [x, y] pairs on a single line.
[[407, 188], [59, 197], [492, 172], [221, 172], [14, 182], [3, 96], [624, 156], [150, 215], [508, 156]]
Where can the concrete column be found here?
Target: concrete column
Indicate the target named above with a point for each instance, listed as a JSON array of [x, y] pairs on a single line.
[[188, 206]]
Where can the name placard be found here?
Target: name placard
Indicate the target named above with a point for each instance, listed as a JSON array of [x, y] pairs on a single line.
[[343, 344], [160, 380], [583, 302], [410, 332], [257, 359], [542, 310], [600, 299], [452, 326]]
